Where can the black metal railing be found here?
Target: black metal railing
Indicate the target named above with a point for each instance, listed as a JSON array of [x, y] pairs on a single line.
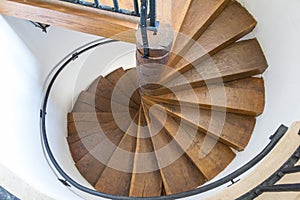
[[116, 8], [67, 181], [144, 12]]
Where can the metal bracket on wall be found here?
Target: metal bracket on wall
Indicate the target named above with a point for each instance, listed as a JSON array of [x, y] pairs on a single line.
[[41, 26]]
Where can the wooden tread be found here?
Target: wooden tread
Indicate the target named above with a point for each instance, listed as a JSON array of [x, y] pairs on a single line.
[[103, 88], [241, 60], [232, 24], [231, 129], [200, 15], [245, 96], [179, 11], [177, 171], [146, 180], [117, 182], [208, 155]]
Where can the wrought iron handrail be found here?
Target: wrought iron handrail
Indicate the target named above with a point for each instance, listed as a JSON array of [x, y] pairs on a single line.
[[142, 13], [69, 182], [116, 8]]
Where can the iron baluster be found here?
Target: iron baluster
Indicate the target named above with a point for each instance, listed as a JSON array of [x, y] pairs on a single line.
[[116, 5], [152, 13], [96, 3], [143, 25], [136, 8]]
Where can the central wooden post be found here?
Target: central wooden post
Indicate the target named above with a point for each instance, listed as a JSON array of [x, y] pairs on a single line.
[[150, 68]]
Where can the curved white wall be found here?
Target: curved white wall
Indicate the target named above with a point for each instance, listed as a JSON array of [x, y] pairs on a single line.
[[27, 58]]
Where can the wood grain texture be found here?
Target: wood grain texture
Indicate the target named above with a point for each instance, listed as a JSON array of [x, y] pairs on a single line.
[[240, 60], [94, 162], [80, 148], [178, 173], [179, 11], [231, 129], [232, 24], [124, 81], [89, 102], [112, 180], [245, 96], [102, 87], [75, 17], [81, 125], [146, 180], [90, 168], [199, 16], [208, 155]]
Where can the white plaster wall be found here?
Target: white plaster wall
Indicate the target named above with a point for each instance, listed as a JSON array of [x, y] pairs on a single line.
[[24, 65], [31, 55], [277, 31]]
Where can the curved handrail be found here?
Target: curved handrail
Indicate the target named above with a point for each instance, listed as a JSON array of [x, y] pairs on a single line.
[[72, 56]]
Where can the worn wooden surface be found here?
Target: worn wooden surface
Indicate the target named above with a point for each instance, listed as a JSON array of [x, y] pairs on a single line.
[[231, 129], [146, 180], [245, 96], [112, 180], [200, 15], [180, 174], [90, 168], [179, 12], [232, 24], [124, 82], [102, 87], [209, 156], [240, 60]]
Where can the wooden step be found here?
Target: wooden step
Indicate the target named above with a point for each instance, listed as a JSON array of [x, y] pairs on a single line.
[[82, 147], [82, 130], [208, 155], [92, 164], [178, 173], [90, 168], [200, 14], [81, 125], [86, 133], [113, 181], [115, 75], [146, 180], [245, 96], [240, 60], [231, 129], [101, 87], [126, 81], [90, 117], [89, 102], [232, 24], [86, 102], [179, 11]]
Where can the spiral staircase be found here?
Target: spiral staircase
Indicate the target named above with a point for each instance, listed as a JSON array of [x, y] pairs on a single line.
[[202, 129]]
